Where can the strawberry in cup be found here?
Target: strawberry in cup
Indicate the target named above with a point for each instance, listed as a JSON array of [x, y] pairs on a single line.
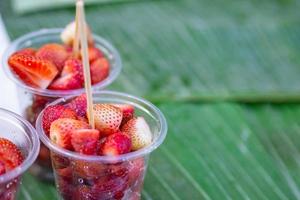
[[19, 146], [110, 160], [44, 68]]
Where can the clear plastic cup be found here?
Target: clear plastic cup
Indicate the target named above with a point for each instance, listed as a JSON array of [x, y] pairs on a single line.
[[33, 100], [80, 176], [21, 133]]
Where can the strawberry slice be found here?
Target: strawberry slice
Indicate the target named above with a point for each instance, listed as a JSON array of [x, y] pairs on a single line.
[[2, 168], [71, 76], [139, 132], [55, 112], [107, 118], [10, 154], [94, 54], [33, 71], [85, 141], [99, 70], [61, 131], [79, 105], [116, 144], [27, 51], [55, 53], [128, 112]]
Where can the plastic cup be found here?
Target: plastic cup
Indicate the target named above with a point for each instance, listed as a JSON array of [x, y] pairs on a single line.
[[21, 133], [33, 100], [80, 176]]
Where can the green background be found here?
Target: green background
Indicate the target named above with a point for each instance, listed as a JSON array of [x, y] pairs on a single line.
[[225, 74]]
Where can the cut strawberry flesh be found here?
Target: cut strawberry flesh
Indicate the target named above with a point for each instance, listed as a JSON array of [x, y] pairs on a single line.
[[85, 141], [33, 71], [99, 70], [10, 154]]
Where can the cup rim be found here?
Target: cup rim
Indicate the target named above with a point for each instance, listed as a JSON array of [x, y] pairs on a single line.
[[32, 155], [162, 132], [114, 73]]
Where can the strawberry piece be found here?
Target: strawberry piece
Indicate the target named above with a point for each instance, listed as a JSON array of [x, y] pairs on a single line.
[[89, 170], [61, 131], [139, 132], [94, 54], [10, 154], [128, 112], [85, 141], [79, 105], [83, 192], [116, 144], [55, 53], [27, 51], [71, 76], [107, 118], [34, 71], [136, 169], [99, 70], [55, 112], [2, 168]]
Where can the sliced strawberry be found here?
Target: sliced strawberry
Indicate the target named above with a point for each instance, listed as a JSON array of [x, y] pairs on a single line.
[[33, 71], [85, 141], [89, 170], [139, 132], [27, 51], [99, 70], [94, 54], [2, 168], [79, 105], [55, 53], [136, 169], [55, 112], [71, 76], [107, 118], [116, 144], [61, 131], [67, 82], [128, 112], [10, 154]]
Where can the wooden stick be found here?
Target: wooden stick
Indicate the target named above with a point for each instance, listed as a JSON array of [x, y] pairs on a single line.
[[77, 36], [86, 64]]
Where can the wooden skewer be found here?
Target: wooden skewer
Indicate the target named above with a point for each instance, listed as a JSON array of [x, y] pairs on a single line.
[[77, 37], [85, 60]]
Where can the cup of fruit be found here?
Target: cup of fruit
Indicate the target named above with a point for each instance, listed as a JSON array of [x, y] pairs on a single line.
[[110, 160], [44, 68], [19, 147]]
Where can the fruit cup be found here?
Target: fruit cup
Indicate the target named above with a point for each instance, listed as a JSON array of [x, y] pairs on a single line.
[[32, 100], [80, 176], [21, 133]]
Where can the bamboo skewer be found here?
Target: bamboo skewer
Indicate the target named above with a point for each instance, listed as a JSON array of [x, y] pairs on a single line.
[[85, 60]]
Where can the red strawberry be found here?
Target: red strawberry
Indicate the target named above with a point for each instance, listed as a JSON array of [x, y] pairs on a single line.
[[33, 71], [83, 192], [99, 70], [79, 105], [136, 169], [128, 112], [71, 76], [52, 113], [61, 131], [116, 144], [55, 53], [85, 141], [107, 118], [2, 168], [89, 170], [94, 54], [139, 132], [27, 51], [10, 154]]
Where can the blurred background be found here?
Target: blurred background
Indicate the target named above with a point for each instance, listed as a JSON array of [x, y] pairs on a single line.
[[225, 74]]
